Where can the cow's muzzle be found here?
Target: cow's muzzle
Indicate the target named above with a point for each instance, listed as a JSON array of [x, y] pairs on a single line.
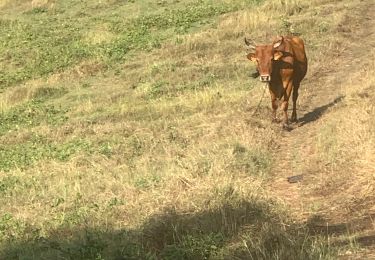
[[265, 78]]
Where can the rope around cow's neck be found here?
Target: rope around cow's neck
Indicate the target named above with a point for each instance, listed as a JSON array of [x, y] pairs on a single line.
[[261, 98]]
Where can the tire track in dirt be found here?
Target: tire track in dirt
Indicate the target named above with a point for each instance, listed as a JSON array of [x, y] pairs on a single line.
[[293, 156]]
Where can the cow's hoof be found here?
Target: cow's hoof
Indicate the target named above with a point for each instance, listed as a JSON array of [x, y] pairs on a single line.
[[286, 127]]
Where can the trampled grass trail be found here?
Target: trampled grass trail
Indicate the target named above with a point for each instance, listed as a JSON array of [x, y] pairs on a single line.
[[333, 97]]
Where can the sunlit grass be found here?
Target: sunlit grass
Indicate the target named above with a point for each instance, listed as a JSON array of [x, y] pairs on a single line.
[[129, 130]]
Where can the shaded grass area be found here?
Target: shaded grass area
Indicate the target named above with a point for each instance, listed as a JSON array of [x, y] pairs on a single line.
[[207, 234]]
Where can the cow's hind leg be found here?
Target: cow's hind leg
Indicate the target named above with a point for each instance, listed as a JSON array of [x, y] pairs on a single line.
[[285, 104], [295, 96]]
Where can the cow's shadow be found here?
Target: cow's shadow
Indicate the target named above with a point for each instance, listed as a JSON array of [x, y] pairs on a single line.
[[318, 112]]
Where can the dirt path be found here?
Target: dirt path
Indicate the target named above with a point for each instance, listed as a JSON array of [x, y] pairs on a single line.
[[296, 146]]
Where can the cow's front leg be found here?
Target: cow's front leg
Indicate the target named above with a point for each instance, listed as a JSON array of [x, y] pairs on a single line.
[[274, 105]]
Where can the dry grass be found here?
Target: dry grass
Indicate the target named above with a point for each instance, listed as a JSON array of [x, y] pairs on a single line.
[[344, 145], [162, 154]]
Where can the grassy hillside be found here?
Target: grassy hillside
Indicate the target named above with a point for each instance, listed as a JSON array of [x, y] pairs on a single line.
[[50, 37], [131, 130]]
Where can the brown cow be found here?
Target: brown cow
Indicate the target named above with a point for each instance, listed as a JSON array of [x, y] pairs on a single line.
[[283, 65]]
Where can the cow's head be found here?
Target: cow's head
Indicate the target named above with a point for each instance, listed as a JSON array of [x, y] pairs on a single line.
[[264, 56]]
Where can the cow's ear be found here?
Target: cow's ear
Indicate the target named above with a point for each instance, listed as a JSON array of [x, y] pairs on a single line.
[[251, 56], [277, 55]]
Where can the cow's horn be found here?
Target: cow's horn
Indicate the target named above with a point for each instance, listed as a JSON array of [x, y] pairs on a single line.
[[249, 43]]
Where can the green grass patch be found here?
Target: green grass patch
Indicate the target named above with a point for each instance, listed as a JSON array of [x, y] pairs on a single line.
[[36, 148], [37, 47], [37, 43], [8, 183], [31, 114], [194, 247], [22, 155], [10, 227]]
